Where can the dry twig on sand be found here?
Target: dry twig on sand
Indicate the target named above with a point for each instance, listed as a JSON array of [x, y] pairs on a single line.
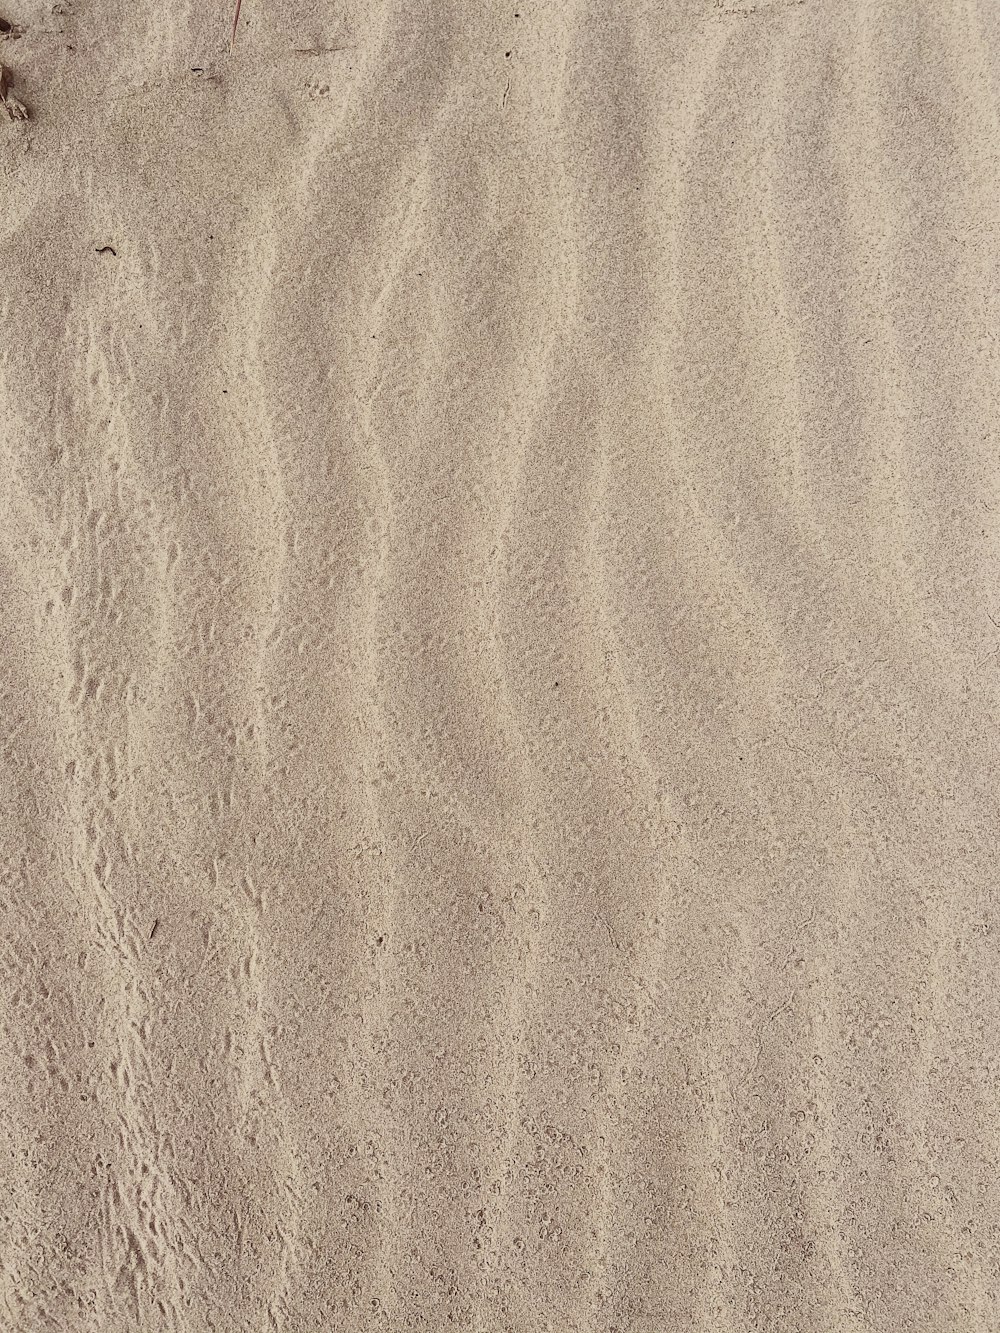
[[236, 19]]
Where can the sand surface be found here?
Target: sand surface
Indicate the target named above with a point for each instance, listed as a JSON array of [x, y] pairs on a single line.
[[498, 684]]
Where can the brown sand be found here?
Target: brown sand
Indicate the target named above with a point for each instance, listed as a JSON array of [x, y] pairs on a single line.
[[499, 683]]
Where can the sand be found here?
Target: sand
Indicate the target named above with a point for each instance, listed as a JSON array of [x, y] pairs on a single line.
[[499, 558]]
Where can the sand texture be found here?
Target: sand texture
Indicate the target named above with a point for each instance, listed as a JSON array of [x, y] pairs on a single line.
[[499, 675]]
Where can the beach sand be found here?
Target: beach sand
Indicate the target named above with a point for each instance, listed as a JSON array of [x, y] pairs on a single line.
[[498, 690]]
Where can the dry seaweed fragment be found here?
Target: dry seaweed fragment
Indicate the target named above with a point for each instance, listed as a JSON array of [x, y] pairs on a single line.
[[14, 108]]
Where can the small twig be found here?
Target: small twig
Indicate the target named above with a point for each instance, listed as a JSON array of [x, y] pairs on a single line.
[[236, 19]]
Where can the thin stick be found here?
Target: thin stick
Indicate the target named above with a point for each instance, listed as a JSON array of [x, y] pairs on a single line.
[[236, 19]]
